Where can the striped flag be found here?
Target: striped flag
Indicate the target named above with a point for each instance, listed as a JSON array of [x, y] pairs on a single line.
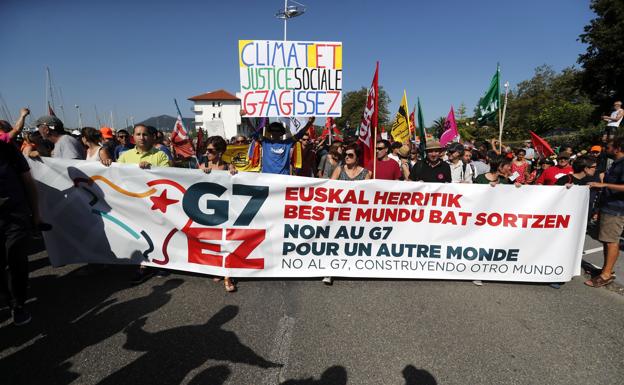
[[180, 140]]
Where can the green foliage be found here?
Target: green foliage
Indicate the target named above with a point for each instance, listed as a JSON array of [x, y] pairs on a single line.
[[437, 129], [547, 101], [461, 111], [353, 103], [603, 77]]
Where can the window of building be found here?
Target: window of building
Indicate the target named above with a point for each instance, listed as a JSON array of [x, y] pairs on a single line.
[[219, 115], [213, 104], [213, 115]]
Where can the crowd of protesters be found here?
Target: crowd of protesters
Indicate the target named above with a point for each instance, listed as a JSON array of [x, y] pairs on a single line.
[[600, 166]]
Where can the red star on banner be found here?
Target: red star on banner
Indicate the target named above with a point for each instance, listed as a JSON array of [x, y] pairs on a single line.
[[161, 202]]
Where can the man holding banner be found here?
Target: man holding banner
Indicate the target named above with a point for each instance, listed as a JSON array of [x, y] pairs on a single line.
[[277, 152], [433, 169], [145, 155], [386, 168]]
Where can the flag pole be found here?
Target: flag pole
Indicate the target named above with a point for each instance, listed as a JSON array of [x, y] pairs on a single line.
[[414, 122], [506, 85], [375, 155], [500, 127]]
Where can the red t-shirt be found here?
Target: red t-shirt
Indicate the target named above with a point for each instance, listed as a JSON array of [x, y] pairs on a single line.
[[387, 169], [551, 174]]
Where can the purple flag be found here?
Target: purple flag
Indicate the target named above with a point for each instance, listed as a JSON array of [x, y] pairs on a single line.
[[450, 129]]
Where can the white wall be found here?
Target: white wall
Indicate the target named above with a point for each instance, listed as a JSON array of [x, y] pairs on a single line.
[[226, 110]]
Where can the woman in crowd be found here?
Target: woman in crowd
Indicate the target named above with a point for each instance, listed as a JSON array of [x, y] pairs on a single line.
[[521, 166], [215, 147], [500, 169], [330, 161], [91, 139], [351, 170]]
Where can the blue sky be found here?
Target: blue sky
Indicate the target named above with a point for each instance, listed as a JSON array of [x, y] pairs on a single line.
[[133, 57]]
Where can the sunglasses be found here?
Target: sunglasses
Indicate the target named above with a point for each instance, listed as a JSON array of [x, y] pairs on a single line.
[[211, 151], [350, 155], [239, 141], [380, 148]]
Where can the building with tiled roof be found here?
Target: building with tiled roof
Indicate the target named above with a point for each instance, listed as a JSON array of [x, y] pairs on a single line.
[[218, 113]]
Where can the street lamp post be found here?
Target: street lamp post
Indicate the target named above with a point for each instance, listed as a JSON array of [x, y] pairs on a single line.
[[79, 116], [289, 12]]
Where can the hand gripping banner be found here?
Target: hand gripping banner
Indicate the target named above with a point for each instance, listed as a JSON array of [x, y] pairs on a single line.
[[259, 225]]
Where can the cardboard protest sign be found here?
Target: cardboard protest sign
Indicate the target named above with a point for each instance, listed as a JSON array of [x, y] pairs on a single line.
[[290, 78]]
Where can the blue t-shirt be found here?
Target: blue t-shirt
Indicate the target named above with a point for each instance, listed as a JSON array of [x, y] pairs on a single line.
[[165, 149], [120, 149], [276, 156], [612, 202]]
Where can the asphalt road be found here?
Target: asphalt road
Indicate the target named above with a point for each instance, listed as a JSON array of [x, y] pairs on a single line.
[[91, 327]]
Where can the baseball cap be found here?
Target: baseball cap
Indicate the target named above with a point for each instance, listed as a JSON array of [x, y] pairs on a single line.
[[595, 149], [107, 132], [51, 121]]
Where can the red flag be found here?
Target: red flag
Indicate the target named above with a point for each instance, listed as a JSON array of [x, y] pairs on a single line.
[[50, 110], [368, 127], [199, 146], [541, 146], [330, 126], [312, 132], [412, 122], [180, 140]]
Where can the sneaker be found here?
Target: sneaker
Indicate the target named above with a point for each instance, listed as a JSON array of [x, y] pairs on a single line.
[[21, 316], [478, 283], [328, 281], [142, 275], [555, 285]]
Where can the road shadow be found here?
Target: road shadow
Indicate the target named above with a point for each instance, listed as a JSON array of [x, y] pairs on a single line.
[[67, 320], [215, 375], [84, 239], [173, 353], [334, 375], [415, 376]]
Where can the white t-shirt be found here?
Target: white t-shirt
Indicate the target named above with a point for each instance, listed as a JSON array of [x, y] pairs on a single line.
[[395, 158], [461, 173], [96, 156], [613, 116]]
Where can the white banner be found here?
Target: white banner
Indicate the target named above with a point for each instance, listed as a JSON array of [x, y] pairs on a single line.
[[290, 78], [260, 225]]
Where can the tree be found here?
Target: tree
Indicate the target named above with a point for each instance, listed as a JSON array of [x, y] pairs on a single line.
[[437, 129], [603, 78], [461, 111], [353, 103], [547, 101]]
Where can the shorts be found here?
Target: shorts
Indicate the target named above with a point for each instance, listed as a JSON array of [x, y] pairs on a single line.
[[611, 227], [609, 131]]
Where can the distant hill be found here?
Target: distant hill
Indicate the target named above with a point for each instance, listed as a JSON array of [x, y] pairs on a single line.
[[166, 122]]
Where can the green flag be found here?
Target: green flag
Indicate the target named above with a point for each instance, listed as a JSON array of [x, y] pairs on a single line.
[[421, 131], [488, 105]]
